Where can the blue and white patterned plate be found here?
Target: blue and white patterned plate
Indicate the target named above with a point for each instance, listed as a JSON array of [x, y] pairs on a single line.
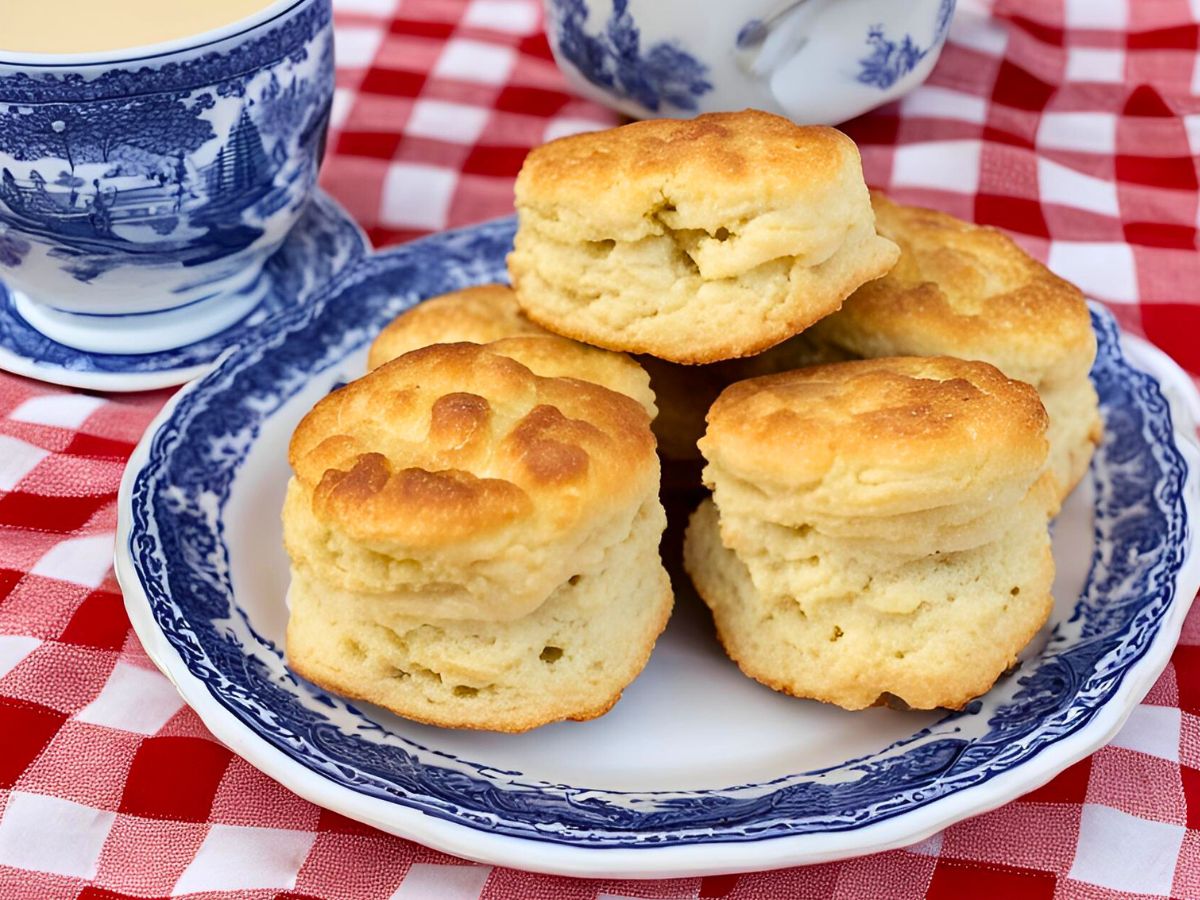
[[322, 243], [697, 770]]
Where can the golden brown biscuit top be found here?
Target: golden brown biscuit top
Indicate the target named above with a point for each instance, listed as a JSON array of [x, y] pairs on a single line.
[[931, 421], [478, 314], [454, 442], [964, 290], [488, 314], [702, 178], [552, 356]]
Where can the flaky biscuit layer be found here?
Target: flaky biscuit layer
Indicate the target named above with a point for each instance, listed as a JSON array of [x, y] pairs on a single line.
[[930, 635], [568, 659]]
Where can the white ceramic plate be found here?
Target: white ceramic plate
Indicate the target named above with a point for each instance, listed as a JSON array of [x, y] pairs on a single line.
[[698, 770]]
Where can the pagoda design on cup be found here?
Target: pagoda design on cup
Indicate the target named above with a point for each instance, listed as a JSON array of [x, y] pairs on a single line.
[[143, 187]]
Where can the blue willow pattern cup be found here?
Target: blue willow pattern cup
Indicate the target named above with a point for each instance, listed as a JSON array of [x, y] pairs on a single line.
[[815, 61], [141, 191]]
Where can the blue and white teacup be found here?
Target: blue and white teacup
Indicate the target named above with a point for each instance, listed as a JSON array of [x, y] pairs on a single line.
[[815, 61], [142, 190]]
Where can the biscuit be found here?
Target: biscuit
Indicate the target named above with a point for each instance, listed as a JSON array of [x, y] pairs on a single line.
[[488, 314], [966, 291], [873, 523], [455, 488], [693, 240]]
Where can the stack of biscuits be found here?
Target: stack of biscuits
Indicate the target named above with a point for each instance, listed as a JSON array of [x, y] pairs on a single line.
[[474, 544], [877, 530], [474, 525]]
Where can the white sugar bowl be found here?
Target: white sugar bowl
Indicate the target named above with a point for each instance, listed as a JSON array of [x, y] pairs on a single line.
[[815, 61]]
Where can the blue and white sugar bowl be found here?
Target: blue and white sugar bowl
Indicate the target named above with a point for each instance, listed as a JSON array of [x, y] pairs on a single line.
[[815, 61], [141, 191]]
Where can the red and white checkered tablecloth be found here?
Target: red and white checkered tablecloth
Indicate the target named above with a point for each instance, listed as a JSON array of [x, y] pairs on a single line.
[[1074, 124]]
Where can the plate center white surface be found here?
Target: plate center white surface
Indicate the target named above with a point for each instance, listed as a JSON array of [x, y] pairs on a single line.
[[691, 721]]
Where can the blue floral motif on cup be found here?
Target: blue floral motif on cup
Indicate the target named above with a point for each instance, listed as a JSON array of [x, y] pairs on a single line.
[[891, 59], [662, 75]]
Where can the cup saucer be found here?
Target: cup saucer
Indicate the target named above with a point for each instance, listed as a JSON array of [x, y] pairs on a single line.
[[321, 244]]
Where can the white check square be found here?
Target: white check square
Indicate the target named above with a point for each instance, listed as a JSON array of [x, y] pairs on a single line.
[[944, 165], [979, 31], [1086, 131], [1152, 729], [929, 847], [1099, 14], [453, 122], [1145, 862], [368, 7], [48, 834], [241, 858], [943, 103], [1070, 187], [133, 699], [1102, 270], [343, 102], [82, 560], [1101, 66], [477, 61], [444, 882], [17, 459], [356, 46], [1191, 124], [511, 16], [13, 649], [416, 196], [567, 126], [60, 410]]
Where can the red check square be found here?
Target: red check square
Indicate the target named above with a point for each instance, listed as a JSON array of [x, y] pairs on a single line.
[[174, 778], [27, 728], [8, 580], [1012, 214], [1069, 786], [96, 447], [56, 515], [100, 622], [953, 880], [1020, 88]]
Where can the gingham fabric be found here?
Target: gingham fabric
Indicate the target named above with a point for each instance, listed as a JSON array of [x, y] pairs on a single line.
[[1073, 124]]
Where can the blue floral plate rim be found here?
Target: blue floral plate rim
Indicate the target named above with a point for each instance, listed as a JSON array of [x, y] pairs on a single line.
[[297, 273], [480, 819]]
